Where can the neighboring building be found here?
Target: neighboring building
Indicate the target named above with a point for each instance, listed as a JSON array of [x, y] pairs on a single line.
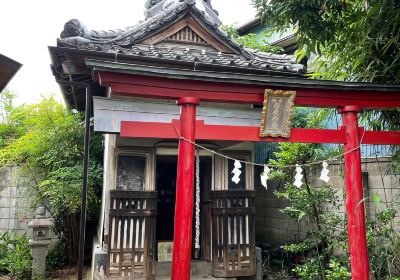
[[287, 39]]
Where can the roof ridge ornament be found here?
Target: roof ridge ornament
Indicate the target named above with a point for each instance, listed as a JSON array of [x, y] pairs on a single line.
[[153, 7], [75, 28]]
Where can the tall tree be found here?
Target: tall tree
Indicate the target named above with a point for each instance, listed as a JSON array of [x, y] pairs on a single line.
[[46, 141], [357, 40], [353, 40]]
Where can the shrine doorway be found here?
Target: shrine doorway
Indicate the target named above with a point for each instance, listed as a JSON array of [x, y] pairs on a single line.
[[166, 186], [166, 171]]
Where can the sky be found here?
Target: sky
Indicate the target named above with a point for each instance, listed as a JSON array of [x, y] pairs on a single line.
[[28, 27]]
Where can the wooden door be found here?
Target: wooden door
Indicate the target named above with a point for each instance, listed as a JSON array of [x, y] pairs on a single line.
[[131, 242], [233, 228]]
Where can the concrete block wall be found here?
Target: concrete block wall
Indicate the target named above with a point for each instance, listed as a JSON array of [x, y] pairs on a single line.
[[379, 177], [272, 225], [15, 211]]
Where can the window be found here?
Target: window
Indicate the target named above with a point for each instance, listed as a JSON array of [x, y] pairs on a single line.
[[131, 173], [223, 172]]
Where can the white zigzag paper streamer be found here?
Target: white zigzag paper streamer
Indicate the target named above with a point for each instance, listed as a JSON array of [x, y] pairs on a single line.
[[298, 178], [236, 172], [324, 173], [265, 176]]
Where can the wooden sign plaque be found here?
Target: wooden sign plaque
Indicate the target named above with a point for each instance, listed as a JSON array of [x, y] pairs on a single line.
[[277, 113]]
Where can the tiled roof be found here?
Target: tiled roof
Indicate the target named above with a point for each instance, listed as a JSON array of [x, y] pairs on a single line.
[[161, 14]]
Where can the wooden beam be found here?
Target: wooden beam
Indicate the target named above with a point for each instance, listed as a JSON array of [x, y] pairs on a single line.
[[381, 138], [164, 88], [227, 133], [251, 134]]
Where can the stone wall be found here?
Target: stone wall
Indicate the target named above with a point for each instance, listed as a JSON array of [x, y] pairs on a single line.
[[15, 211], [379, 177]]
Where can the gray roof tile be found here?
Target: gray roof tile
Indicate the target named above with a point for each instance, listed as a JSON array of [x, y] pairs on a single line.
[[161, 13]]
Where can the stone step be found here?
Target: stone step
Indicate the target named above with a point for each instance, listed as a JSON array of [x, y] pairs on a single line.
[[201, 268], [195, 277]]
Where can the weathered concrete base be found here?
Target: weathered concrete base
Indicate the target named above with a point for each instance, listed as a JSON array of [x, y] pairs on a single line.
[[39, 253], [198, 269], [195, 277], [259, 267], [99, 264]]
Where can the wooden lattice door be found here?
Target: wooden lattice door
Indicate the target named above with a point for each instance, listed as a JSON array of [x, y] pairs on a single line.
[[131, 242], [233, 229]]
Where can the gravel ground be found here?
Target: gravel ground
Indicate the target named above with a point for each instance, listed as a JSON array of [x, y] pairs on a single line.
[[61, 274]]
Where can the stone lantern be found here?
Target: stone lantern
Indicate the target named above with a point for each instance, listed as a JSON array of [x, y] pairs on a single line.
[[39, 242]]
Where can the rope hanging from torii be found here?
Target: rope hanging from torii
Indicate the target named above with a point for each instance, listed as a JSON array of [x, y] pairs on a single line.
[[264, 176], [197, 206]]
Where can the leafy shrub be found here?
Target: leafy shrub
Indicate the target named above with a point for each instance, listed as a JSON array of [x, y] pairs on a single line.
[[56, 257], [15, 256], [337, 271], [46, 141]]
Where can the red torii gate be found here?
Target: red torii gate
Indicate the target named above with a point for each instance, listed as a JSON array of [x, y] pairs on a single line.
[[349, 98]]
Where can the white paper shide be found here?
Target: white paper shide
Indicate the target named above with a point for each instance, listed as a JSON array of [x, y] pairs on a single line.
[[236, 172]]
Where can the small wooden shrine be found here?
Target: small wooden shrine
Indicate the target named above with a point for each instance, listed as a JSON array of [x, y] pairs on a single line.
[[173, 80]]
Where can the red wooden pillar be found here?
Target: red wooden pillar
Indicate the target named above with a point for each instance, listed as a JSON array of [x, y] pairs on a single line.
[[354, 196], [182, 250]]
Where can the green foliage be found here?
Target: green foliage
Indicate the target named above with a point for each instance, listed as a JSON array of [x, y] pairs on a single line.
[[48, 148], [50, 153], [349, 41], [317, 209], [15, 256], [252, 40], [345, 40], [337, 271], [9, 126], [383, 241], [310, 270], [352, 39], [56, 257]]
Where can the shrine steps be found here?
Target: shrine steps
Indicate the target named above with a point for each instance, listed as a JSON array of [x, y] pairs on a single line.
[[194, 277], [199, 270]]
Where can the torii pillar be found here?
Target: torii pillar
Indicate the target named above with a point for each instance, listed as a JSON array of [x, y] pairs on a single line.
[[354, 195], [182, 250]]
